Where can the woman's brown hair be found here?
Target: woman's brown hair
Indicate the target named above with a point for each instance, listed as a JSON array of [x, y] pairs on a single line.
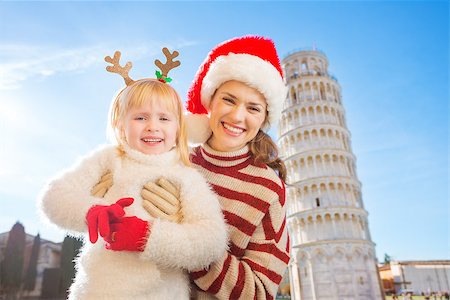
[[266, 151]]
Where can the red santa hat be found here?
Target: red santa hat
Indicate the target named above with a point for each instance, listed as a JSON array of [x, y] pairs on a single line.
[[252, 60]]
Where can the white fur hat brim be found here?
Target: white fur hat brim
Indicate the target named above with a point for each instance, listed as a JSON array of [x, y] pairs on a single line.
[[197, 128]]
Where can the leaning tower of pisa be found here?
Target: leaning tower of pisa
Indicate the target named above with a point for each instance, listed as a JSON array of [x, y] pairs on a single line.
[[332, 255]]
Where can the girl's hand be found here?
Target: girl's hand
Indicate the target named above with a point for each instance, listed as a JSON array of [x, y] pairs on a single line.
[[162, 200], [100, 217], [128, 234], [105, 183]]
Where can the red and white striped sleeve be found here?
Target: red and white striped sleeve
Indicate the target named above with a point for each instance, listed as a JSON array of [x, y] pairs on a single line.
[[256, 273]]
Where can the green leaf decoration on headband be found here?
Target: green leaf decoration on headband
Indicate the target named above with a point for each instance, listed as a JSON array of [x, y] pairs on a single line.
[[162, 77]]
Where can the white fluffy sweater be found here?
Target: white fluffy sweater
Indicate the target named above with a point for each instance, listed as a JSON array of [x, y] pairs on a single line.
[[172, 249]]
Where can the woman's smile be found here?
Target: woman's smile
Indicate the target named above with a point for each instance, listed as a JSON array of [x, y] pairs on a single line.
[[233, 130]]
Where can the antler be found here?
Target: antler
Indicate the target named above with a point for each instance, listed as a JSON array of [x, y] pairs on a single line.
[[170, 64], [117, 68]]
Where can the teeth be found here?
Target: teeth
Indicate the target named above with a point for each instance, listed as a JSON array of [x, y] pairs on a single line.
[[233, 129], [152, 140]]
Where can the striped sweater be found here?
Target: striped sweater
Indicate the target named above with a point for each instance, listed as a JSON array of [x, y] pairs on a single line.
[[253, 202]]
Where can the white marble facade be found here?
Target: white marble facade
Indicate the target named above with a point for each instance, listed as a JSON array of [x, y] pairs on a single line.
[[332, 254]]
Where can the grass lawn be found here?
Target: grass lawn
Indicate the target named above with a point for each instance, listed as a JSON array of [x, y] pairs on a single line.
[[390, 298], [401, 298], [414, 298]]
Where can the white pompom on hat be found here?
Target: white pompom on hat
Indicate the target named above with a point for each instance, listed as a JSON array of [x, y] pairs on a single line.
[[250, 59]]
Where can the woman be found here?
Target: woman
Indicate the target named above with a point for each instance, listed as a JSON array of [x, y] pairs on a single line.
[[240, 85]]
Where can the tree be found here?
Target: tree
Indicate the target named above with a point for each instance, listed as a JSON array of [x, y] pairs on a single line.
[[70, 249], [387, 259], [30, 275], [12, 264]]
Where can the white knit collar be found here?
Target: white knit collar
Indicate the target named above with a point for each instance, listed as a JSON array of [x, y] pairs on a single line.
[[225, 159], [157, 160]]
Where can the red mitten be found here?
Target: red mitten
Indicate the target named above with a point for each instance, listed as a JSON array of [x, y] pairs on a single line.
[[99, 217], [129, 234]]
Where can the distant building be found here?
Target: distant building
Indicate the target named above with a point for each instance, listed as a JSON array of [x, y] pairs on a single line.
[[332, 256], [49, 257], [430, 276]]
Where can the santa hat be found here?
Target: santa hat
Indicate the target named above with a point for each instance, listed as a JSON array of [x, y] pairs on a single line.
[[252, 60]]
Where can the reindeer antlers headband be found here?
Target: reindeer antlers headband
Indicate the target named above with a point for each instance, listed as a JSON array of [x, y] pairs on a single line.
[[123, 71]]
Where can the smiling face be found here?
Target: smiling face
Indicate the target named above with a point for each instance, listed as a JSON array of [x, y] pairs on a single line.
[[237, 112], [150, 128]]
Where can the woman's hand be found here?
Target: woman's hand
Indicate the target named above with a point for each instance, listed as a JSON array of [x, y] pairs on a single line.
[[162, 200], [105, 183]]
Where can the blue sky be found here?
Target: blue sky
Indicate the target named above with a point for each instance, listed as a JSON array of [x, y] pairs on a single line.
[[390, 58]]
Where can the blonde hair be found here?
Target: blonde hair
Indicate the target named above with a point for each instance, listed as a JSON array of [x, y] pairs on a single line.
[[147, 91]]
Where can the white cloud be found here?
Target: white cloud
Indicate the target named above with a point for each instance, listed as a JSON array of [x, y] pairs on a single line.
[[24, 62], [21, 62]]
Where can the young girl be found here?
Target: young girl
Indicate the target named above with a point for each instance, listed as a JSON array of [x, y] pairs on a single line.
[[139, 256]]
